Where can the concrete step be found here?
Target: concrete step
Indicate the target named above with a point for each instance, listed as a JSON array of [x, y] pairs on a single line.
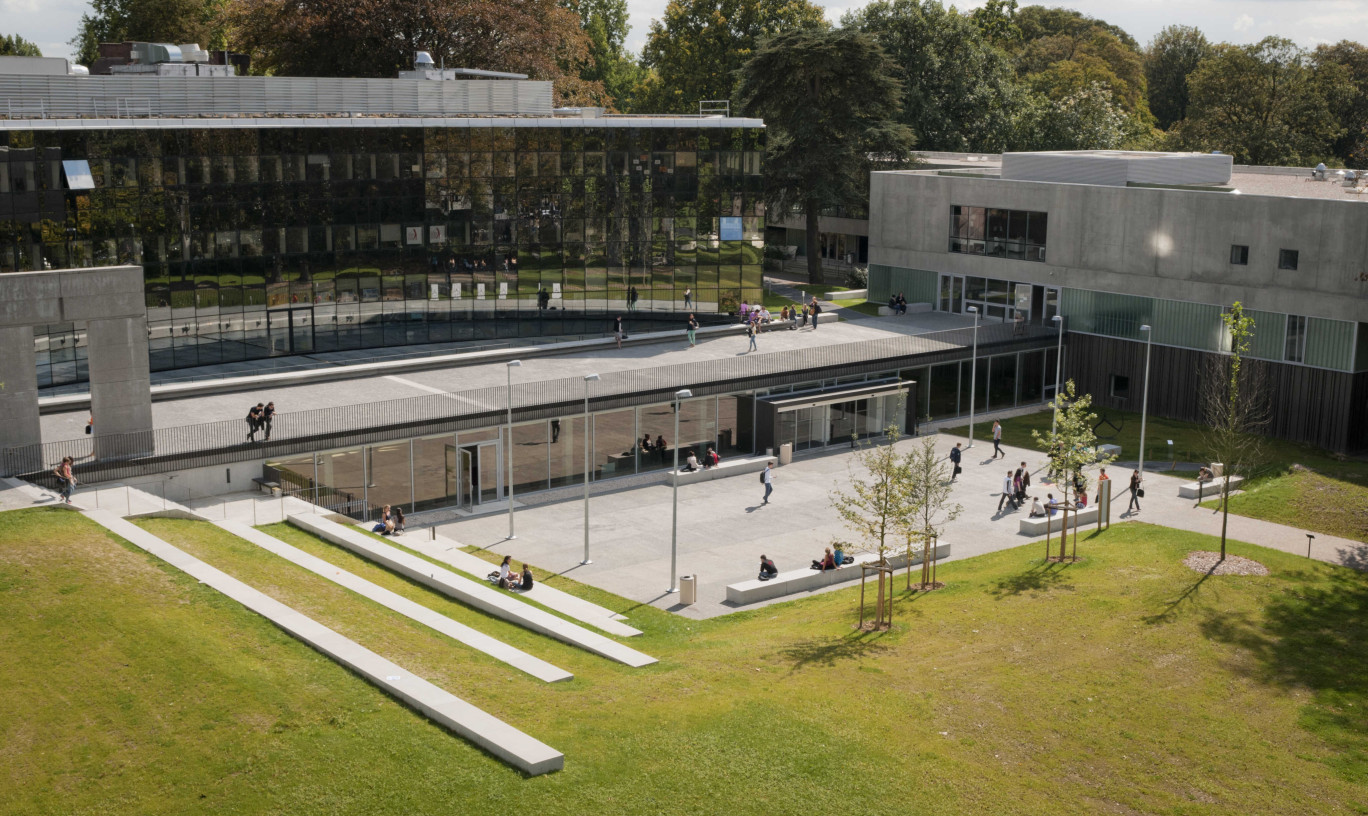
[[459, 632], [529, 755], [479, 595]]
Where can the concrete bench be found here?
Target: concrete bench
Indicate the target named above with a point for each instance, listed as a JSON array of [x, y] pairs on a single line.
[[1053, 524], [267, 486], [912, 308], [1200, 490], [848, 294], [806, 580], [727, 467], [1103, 451]]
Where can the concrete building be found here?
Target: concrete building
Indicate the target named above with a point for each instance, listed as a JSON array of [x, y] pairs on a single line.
[[1114, 240], [279, 216]]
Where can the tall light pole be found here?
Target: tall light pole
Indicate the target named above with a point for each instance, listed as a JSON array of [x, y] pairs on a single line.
[[1144, 399], [1059, 371], [973, 375], [681, 394], [512, 364], [588, 378]]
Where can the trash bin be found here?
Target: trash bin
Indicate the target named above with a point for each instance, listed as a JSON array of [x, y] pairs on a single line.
[[786, 453], [688, 589]]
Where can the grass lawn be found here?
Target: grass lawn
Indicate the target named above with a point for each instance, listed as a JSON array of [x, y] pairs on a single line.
[[1124, 684], [1301, 485], [862, 306]]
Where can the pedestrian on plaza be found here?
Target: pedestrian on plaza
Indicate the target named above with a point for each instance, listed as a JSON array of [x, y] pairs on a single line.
[[955, 457], [631, 299], [688, 297], [692, 331], [767, 477], [805, 316], [254, 421], [1008, 491], [997, 440], [1025, 479], [816, 311], [90, 425], [618, 332], [267, 415], [752, 330], [1136, 492], [66, 478], [1017, 490]]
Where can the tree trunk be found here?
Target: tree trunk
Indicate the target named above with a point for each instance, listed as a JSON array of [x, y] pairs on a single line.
[[814, 260], [1225, 508]]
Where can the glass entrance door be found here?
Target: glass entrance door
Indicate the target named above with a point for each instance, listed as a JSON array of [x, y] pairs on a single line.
[[466, 488], [490, 468]]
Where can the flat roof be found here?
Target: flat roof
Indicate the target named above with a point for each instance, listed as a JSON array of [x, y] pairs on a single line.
[[249, 122]]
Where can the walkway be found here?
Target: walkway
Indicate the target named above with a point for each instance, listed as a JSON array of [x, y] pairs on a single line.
[[788, 290]]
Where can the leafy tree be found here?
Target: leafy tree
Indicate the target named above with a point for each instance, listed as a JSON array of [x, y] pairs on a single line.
[[1039, 22], [697, 49], [1261, 103], [929, 495], [1086, 119], [829, 99], [1342, 69], [959, 90], [16, 46], [173, 21], [1170, 58], [996, 20], [377, 38], [609, 63], [1070, 447], [1235, 406]]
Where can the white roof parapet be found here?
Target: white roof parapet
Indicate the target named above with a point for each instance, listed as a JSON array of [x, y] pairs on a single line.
[[1118, 168]]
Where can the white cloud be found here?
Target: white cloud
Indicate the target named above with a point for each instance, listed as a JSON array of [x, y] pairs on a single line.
[[1243, 23]]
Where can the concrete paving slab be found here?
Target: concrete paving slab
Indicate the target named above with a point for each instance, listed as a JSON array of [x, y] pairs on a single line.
[[459, 632], [477, 594], [509, 744]]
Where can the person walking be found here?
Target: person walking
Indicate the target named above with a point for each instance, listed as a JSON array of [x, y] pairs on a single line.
[[997, 440], [618, 332], [955, 456], [805, 315], [751, 330], [688, 298], [631, 299], [254, 421], [1007, 493], [66, 478], [768, 478], [267, 415], [1136, 492], [1025, 480], [816, 311], [691, 332]]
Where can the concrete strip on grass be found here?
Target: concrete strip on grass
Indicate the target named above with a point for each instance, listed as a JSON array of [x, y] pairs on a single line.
[[529, 755]]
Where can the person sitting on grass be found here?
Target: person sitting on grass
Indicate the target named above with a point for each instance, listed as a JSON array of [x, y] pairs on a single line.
[[828, 561], [396, 522], [383, 524], [767, 569], [526, 584]]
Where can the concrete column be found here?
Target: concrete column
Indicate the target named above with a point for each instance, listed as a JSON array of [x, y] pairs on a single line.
[[120, 387], [20, 430]]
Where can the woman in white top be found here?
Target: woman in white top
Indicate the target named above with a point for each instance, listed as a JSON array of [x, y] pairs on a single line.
[[692, 462], [506, 572]]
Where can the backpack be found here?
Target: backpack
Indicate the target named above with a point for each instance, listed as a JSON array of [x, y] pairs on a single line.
[[762, 477]]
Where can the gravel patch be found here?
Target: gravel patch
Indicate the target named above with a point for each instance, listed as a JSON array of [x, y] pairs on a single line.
[[1205, 561]]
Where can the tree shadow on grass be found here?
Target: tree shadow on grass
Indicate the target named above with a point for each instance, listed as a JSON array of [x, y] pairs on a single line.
[[1171, 609], [827, 652], [1313, 634], [1043, 577]]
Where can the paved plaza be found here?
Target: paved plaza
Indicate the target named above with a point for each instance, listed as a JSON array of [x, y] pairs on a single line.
[[723, 527]]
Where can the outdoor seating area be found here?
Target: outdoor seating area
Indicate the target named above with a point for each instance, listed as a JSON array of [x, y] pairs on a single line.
[[1055, 523], [806, 580], [734, 466], [1200, 490]]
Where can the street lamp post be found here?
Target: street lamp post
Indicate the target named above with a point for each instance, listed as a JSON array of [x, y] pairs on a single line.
[[512, 364], [1144, 399], [588, 378], [973, 375], [1059, 371], [681, 394]]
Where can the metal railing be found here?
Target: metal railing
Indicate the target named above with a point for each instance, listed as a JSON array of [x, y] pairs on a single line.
[[108, 457]]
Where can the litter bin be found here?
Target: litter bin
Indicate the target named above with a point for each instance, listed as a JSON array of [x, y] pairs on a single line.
[[786, 453], [688, 589]]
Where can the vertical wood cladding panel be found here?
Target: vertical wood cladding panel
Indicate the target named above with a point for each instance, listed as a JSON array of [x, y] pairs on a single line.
[[1307, 404]]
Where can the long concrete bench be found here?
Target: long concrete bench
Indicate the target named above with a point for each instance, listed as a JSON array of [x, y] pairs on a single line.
[[448, 551], [1200, 490], [475, 593], [1053, 524], [485, 730], [806, 580], [458, 632], [727, 467]]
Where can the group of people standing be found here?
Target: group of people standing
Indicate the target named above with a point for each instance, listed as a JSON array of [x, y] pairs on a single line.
[[259, 419]]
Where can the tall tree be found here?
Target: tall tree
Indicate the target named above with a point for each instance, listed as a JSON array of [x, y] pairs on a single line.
[[609, 63], [830, 100], [929, 493], [173, 21], [1235, 407], [377, 38], [16, 46], [1261, 103], [1342, 69], [996, 20], [1071, 446], [1170, 58], [1084, 119], [696, 50], [959, 90]]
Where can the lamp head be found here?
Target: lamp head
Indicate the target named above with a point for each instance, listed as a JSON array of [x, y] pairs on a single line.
[[683, 393], [1146, 328], [1058, 318], [971, 309], [591, 378], [515, 363]]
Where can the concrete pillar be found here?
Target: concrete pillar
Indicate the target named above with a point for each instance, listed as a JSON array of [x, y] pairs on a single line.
[[20, 430], [120, 387]]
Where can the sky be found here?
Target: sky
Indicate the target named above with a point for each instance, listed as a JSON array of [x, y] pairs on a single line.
[[51, 23]]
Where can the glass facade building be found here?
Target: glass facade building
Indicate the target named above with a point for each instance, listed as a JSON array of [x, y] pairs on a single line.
[[271, 237]]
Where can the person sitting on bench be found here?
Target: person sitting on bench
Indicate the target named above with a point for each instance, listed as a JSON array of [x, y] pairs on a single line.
[[385, 523], [506, 579], [1036, 510], [711, 458], [1205, 474], [1051, 504], [767, 569], [692, 463], [397, 517], [828, 562]]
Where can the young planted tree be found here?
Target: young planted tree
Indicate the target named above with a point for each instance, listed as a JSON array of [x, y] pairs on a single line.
[[929, 497], [1071, 447], [1235, 404], [876, 508]]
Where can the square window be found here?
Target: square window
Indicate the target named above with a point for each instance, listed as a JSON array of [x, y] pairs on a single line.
[[1239, 254], [1287, 259], [1120, 386]]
